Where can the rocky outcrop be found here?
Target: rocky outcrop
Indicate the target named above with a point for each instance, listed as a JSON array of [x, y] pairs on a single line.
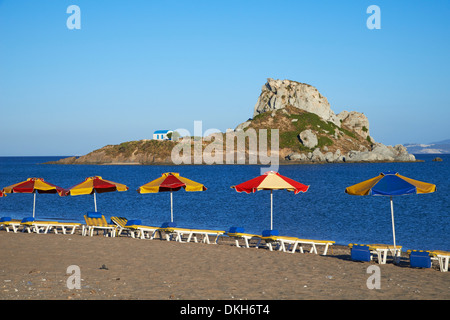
[[379, 153], [355, 121], [277, 94], [349, 140]]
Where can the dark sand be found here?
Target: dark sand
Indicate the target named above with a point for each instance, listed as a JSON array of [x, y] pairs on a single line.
[[34, 266]]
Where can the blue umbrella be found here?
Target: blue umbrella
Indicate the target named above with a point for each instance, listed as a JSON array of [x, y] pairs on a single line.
[[390, 184]]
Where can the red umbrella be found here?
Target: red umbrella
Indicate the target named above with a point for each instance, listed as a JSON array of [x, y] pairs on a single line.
[[271, 181], [33, 185]]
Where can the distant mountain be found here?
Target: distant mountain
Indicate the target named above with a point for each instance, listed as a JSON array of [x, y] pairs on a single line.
[[439, 147]]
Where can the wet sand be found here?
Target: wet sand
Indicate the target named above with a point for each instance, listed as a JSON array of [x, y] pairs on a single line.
[[34, 267]]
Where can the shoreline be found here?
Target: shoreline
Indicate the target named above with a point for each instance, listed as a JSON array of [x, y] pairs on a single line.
[[227, 164], [162, 270]]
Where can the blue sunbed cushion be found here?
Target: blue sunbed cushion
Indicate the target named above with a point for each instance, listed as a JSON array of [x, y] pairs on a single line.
[[420, 259], [236, 230], [94, 214], [135, 222], [360, 253], [168, 225], [28, 219], [269, 233], [4, 219]]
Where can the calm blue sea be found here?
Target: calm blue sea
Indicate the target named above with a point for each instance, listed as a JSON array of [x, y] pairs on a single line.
[[324, 212]]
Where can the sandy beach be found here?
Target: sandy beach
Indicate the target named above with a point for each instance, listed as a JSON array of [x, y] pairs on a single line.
[[34, 267]]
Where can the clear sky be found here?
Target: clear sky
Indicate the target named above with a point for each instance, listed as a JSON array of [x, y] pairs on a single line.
[[139, 66]]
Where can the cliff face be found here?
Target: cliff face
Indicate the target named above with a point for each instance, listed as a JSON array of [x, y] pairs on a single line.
[[277, 94], [309, 131]]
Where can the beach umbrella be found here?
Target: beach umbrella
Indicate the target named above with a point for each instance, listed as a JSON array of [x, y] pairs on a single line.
[[34, 185], [390, 184], [171, 181], [94, 185], [271, 180]]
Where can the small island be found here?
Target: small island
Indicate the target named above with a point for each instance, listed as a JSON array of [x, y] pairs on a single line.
[[309, 132]]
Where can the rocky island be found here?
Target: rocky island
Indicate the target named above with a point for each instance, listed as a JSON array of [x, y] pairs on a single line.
[[309, 132]]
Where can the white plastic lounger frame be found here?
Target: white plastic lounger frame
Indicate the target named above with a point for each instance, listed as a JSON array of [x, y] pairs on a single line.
[[194, 233], [238, 236], [313, 244], [15, 224]]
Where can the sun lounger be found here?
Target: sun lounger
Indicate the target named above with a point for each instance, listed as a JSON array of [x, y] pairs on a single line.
[[204, 233], [270, 238], [381, 251], [64, 227], [8, 222], [145, 232], [314, 243], [171, 231], [290, 244], [96, 221], [121, 222], [29, 224], [282, 243], [134, 227], [194, 234], [443, 257], [238, 234]]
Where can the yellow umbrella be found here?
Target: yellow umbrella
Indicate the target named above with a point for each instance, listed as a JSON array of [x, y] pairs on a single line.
[[171, 181], [93, 185]]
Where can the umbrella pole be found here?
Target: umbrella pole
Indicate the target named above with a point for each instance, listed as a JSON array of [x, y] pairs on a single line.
[[34, 204], [271, 209], [393, 225], [171, 206], [95, 201]]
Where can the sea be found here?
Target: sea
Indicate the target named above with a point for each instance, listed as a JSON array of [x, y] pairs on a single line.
[[324, 212]]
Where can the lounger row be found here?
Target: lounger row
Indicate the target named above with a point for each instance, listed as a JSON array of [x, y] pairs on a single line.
[[417, 258], [269, 238], [168, 231], [96, 222], [32, 225], [273, 241]]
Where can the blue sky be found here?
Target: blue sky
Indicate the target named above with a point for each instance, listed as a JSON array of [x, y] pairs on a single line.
[[138, 66]]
